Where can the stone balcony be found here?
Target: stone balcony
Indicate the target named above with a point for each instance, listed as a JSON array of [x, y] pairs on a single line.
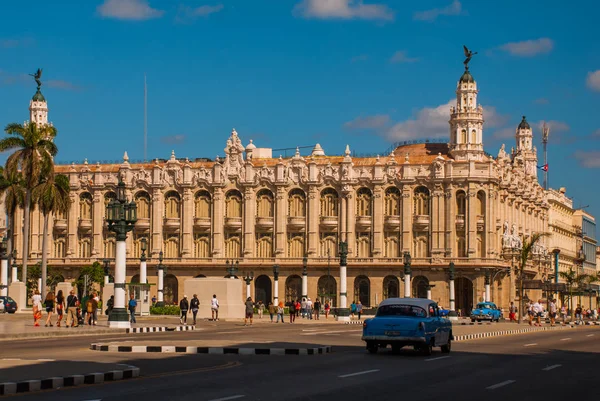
[[363, 222], [233, 223], [480, 222], [171, 224], [60, 226], [460, 222], [329, 223], [264, 223], [85, 225], [202, 224], [421, 222], [393, 222], [142, 225], [296, 223]]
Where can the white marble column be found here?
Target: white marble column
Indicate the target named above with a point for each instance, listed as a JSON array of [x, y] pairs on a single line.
[[119, 314], [160, 290], [3, 275], [13, 274], [452, 299], [487, 293], [248, 292], [304, 284], [407, 285], [343, 294], [276, 291], [428, 292]]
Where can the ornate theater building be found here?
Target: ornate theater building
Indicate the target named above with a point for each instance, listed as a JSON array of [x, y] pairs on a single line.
[[440, 202]]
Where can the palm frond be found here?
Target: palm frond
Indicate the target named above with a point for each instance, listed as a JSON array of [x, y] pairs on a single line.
[[15, 129], [11, 143]]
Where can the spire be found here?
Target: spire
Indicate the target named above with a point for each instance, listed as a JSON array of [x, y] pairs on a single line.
[[38, 108]]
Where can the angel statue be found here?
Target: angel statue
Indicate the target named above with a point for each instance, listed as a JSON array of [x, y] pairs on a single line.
[[37, 76], [468, 55]]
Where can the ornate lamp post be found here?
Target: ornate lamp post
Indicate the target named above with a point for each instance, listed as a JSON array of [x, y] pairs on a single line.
[[407, 260], [160, 298], [248, 279], [276, 284], [556, 253], [122, 215], [106, 270], [232, 267], [488, 279], [3, 268], [304, 277], [143, 273], [15, 267], [451, 272], [343, 314]]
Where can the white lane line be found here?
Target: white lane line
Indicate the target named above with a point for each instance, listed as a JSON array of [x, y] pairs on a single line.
[[232, 397], [498, 385], [530, 345], [590, 335], [330, 332], [565, 339], [437, 359], [46, 360], [552, 367], [228, 332], [359, 373], [11, 359]]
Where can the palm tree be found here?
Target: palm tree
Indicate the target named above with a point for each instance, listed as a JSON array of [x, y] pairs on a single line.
[[526, 252], [12, 187], [34, 150], [52, 196], [573, 279]]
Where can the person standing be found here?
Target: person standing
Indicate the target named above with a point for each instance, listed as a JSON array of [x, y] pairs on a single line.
[[303, 308], [578, 317], [352, 309], [60, 307], [184, 306], [261, 309], [84, 306], [49, 304], [512, 312], [272, 310], [317, 308], [214, 308], [110, 304], [552, 312], [292, 311], [359, 308], [36, 300], [538, 310], [72, 310], [249, 311], [563, 313], [195, 305], [309, 309], [327, 309], [280, 312], [92, 310], [131, 306]]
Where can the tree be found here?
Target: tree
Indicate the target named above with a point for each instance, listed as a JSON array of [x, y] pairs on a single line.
[[13, 189], [573, 279], [95, 275], [526, 252], [52, 196], [34, 149]]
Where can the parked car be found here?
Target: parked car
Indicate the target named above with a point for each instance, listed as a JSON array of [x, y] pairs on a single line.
[[486, 311], [7, 304], [408, 321]]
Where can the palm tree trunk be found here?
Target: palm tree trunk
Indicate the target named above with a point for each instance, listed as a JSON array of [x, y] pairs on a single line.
[[521, 311], [25, 254], [44, 255]]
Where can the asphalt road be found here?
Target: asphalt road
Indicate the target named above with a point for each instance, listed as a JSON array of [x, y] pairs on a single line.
[[540, 366]]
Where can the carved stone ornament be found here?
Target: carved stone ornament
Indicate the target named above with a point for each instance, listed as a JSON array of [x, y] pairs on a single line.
[[202, 175]]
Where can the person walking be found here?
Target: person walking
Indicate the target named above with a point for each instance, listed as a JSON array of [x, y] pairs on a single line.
[[261, 309], [292, 311], [359, 308], [317, 308], [84, 304], [352, 309], [272, 310], [36, 300], [249, 311], [184, 306], [131, 306], [552, 312], [110, 304], [538, 310], [92, 309], [72, 310], [60, 307], [578, 317], [49, 304], [309, 308], [303, 308], [194, 306], [327, 309], [563, 313], [214, 308], [280, 312], [512, 312]]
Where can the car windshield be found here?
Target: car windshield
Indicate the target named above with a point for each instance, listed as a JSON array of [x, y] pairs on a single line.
[[484, 306], [401, 310]]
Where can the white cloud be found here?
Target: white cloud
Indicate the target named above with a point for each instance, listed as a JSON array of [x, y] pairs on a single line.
[[588, 159], [595, 134], [368, 123], [504, 133], [187, 14], [529, 48], [128, 10], [401, 57], [541, 100], [361, 57], [173, 139], [343, 9], [593, 80], [555, 126], [454, 8]]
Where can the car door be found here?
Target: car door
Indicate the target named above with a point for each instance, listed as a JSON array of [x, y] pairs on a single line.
[[441, 336]]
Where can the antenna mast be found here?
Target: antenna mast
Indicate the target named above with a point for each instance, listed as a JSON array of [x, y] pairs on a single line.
[[146, 120], [545, 132]]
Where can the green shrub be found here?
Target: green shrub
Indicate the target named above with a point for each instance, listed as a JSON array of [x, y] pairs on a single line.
[[165, 310]]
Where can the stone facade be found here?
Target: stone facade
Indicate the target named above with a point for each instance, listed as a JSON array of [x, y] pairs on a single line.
[[441, 202]]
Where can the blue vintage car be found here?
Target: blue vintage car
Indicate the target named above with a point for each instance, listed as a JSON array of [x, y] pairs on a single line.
[[486, 311], [408, 321]]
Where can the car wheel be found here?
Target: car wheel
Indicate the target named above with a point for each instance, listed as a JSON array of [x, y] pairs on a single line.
[[12, 312], [446, 348], [427, 349], [372, 347], [396, 348], [472, 320]]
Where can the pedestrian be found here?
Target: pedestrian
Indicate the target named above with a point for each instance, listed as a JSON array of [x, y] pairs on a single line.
[[214, 308], [92, 310], [280, 312], [110, 304], [359, 308], [249, 311], [195, 305], [309, 308], [292, 311], [552, 311], [578, 317], [153, 299], [317, 308], [303, 308], [131, 306], [60, 307], [563, 313], [95, 311], [272, 310], [352, 309], [36, 300], [327, 309], [72, 310], [184, 306], [49, 304], [84, 303], [261, 309], [538, 310], [512, 312]]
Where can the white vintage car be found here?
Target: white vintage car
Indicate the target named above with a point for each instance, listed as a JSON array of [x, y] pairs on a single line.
[[408, 321]]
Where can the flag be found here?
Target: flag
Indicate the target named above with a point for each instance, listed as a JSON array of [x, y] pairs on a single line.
[[543, 167]]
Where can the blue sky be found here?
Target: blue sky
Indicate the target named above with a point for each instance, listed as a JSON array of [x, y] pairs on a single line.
[[289, 73]]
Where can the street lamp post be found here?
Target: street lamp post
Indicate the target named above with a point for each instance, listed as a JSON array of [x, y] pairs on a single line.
[[276, 284], [487, 285], [451, 272], [304, 277], [407, 260], [232, 267], [343, 314], [248, 279], [106, 271], [122, 216], [15, 267], [3, 268], [160, 291], [143, 274]]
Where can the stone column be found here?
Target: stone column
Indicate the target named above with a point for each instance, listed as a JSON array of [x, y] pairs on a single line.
[[407, 273], [343, 311], [73, 219], [249, 222], [158, 206], [351, 222], [378, 216], [187, 223], [304, 283], [471, 222], [452, 299], [3, 269], [98, 223], [13, 273], [217, 223], [248, 289], [487, 285], [119, 317], [450, 213], [160, 291], [143, 280], [276, 288], [407, 215], [428, 292], [280, 222], [312, 220]]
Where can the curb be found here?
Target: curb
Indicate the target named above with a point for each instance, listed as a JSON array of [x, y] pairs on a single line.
[[474, 336], [67, 381], [212, 350], [354, 322], [158, 329]]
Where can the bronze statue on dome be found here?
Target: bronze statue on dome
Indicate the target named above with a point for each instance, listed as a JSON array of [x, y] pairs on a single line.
[[468, 55], [37, 76]]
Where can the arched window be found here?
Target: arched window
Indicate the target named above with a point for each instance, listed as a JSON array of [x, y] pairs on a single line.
[[463, 136], [328, 246], [363, 202], [461, 247], [391, 287], [233, 204], [421, 201], [473, 137], [293, 288], [481, 203], [391, 246], [108, 197], [264, 203], [421, 246], [110, 247], [392, 201], [60, 249], [264, 246], [142, 200], [295, 246], [329, 202], [232, 246], [419, 287], [85, 206], [363, 245], [327, 290], [201, 246], [362, 290], [171, 290], [85, 248], [297, 203], [461, 202], [172, 200], [171, 246], [202, 204]]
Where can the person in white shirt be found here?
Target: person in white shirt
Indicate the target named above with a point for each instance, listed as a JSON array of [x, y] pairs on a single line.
[[214, 307], [308, 309], [538, 309], [552, 311]]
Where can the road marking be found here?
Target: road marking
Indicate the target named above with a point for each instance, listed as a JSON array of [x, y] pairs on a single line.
[[233, 397], [46, 360], [565, 339], [530, 345], [359, 373], [590, 335], [551, 367], [437, 359], [330, 332], [11, 359], [502, 384], [227, 332]]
